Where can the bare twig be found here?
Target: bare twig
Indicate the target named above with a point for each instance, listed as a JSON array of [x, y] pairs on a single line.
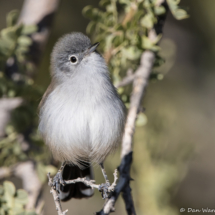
[[85, 181], [89, 183], [113, 185], [104, 173], [139, 85], [56, 198], [125, 81]]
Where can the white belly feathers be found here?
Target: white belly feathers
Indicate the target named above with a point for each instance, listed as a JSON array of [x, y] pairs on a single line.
[[80, 126]]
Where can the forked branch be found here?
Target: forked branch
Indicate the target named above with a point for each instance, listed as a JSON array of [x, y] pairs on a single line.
[[89, 183], [139, 85], [140, 81]]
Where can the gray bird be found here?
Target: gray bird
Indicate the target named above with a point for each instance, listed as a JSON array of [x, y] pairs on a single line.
[[81, 115]]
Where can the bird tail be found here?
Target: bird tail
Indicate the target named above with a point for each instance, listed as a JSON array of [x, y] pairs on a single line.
[[77, 190]]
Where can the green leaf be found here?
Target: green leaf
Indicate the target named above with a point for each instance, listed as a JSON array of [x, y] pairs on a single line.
[[141, 120], [9, 191], [124, 98], [104, 3], [17, 149], [131, 53], [51, 169], [180, 14], [177, 12], [108, 41], [1, 190], [111, 8], [21, 197], [30, 213], [9, 129], [147, 21], [12, 17], [127, 2], [29, 29], [91, 27], [118, 39], [173, 4], [90, 12], [160, 10], [148, 44], [9, 34], [9, 188], [24, 41], [11, 93], [6, 48], [21, 50]]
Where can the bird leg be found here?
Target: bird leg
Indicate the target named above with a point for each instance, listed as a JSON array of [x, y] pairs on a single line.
[[104, 188], [58, 179]]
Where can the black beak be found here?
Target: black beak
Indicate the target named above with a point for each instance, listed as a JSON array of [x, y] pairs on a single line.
[[92, 48]]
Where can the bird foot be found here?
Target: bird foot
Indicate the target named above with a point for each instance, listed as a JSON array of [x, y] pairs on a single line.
[[104, 189], [57, 181]]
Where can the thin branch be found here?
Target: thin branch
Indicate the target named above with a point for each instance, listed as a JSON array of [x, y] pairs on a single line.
[[104, 173], [85, 181], [89, 183], [140, 81], [139, 85], [56, 198], [125, 81], [112, 187]]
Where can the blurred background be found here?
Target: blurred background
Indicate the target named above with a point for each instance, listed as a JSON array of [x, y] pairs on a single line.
[[174, 151]]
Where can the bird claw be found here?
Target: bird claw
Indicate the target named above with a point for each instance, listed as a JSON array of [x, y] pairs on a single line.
[[57, 181], [104, 189]]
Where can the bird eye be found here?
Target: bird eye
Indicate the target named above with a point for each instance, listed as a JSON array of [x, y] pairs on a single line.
[[73, 59]]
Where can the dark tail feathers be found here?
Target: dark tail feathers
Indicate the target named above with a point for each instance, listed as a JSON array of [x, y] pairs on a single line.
[[77, 190]]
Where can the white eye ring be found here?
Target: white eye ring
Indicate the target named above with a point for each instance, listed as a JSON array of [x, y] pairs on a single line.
[[73, 59]]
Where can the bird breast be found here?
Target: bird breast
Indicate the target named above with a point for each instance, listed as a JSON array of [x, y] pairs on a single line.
[[82, 119]]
